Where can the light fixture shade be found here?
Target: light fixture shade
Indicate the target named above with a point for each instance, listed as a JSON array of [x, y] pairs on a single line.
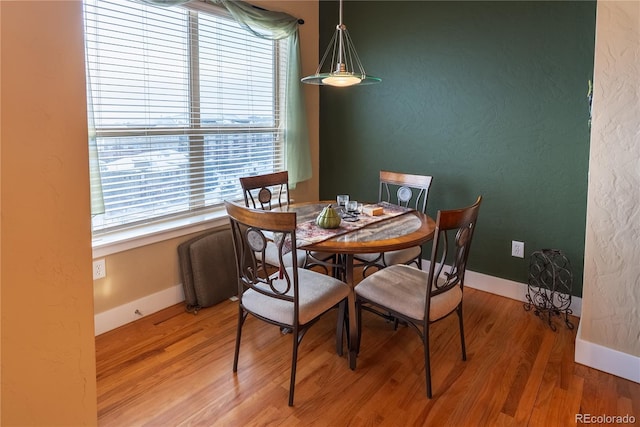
[[341, 79], [334, 79], [345, 68]]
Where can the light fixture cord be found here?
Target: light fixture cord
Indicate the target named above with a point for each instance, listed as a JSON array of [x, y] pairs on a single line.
[[340, 41]]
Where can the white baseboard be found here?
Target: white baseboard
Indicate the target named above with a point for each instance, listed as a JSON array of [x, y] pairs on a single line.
[[137, 309], [126, 313], [508, 288], [606, 359]]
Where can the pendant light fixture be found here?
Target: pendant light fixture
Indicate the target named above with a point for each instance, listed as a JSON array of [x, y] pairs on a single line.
[[346, 68]]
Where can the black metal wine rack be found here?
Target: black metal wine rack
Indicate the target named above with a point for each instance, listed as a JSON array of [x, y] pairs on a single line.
[[549, 286]]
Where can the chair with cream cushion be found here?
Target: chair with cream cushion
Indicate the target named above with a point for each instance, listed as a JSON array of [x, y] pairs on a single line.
[[406, 190], [262, 192], [291, 297], [421, 298]]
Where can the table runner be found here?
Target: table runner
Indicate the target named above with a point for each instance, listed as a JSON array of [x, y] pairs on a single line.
[[307, 232]]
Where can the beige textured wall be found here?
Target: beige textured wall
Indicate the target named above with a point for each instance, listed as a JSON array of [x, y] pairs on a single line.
[[139, 272], [48, 353], [611, 296], [0, 220]]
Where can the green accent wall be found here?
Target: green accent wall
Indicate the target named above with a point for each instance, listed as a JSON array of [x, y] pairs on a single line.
[[489, 98]]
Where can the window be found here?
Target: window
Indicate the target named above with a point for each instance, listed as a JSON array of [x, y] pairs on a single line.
[[183, 103]]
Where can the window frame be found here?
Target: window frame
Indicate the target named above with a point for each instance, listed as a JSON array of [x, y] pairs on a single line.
[[113, 240]]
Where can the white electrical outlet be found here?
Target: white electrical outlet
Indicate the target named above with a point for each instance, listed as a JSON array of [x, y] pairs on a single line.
[[517, 249], [99, 269]]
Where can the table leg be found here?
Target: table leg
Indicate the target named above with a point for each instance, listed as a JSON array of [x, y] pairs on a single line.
[[342, 311], [351, 310]]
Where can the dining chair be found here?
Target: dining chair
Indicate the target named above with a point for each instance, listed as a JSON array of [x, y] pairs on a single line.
[[265, 191], [421, 298], [258, 190], [291, 297], [406, 190]]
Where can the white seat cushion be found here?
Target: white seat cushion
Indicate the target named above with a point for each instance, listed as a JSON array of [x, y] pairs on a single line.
[[271, 256], [317, 293], [401, 256], [403, 289]]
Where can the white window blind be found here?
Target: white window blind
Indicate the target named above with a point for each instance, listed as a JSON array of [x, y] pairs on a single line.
[[183, 104]]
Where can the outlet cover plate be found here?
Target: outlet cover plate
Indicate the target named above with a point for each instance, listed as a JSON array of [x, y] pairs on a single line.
[[99, 269], [517, 249]]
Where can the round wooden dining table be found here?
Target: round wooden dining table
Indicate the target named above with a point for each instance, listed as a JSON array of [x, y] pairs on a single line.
[[398, 230]]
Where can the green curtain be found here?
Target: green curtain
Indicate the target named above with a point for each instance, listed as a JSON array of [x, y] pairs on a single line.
[[95, 180], [276, 26]]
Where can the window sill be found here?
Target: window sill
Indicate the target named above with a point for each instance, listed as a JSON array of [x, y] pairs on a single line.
[[121, 241]]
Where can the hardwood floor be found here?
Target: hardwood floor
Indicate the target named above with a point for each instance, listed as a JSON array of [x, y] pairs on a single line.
[[174, 368]]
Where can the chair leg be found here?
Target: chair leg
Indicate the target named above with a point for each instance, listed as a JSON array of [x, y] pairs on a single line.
[[464, 349], [359, 321], [242, 316], [341, 272], [335, 260], [294, 362], [427, 361]]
